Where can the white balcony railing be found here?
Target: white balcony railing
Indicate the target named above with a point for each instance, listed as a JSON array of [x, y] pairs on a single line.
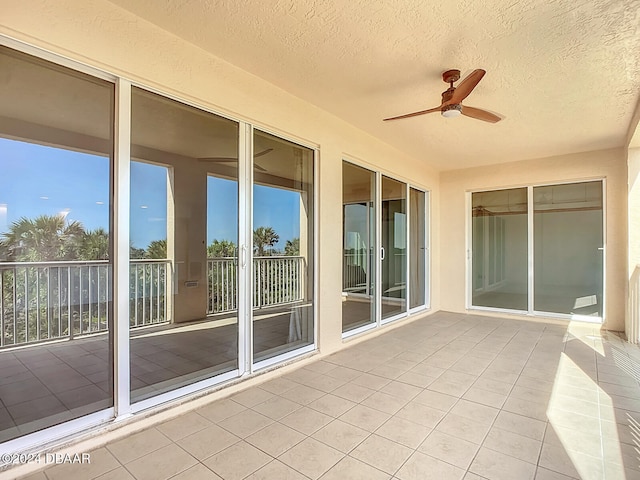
[[55, 300], [278, 280], [42, 301]]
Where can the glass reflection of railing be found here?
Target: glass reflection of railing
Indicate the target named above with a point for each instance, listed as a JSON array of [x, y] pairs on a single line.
[[354, 267], [55, 300], [278, 280]]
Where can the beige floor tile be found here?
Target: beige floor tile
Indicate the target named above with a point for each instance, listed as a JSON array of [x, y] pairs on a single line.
[[475, 411], [352, 469], [422, 467], [509, 443], [245, 423], [237, 461], [386, 372], [275, 439], [332, 405], [161, 464], [251, 397], [384, 402], [276, 470], [427, 370], [37, 476], [119, 473], [311, 458], [497, 466], [526, 408], [325, 383], [544, 474], [320, 366], [401, 390], [364, 417], [276, 407], [436, 400], [306, 420], [373, 382], [449, 449], [421, 414], [341, 436], [463, 428], [521, 425], [207, 442], [416, 379], [344, 373], [382, 453], [403, 431], [490, 399], [278, 385], [138, 445], [303, 394], [183, 426], [473, 476], [197, 472], [220, 410], [572, 464], [102, 461], [495, 386], [355, 393]]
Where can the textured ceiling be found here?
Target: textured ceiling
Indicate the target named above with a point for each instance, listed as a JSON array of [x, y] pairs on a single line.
[[564, 74]]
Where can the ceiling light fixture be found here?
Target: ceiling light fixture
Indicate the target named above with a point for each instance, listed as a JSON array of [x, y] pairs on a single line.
[[453, 110]]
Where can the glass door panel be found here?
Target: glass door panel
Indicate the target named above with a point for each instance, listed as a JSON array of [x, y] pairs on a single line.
[[568, 248], [499, 249], [358, 262], [418, 248], [283, 239], [176, 336], [394, 247], [56, 318]]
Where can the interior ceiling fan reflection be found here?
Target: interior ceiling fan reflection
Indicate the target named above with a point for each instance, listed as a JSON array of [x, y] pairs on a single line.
[[235, 160]]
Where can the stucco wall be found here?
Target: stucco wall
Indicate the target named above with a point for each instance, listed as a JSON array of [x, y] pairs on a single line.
[[633, 307], [608, 164], [101, 35]]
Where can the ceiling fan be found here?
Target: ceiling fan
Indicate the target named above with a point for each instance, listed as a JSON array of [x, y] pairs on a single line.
[[235, 160], [452, 99]]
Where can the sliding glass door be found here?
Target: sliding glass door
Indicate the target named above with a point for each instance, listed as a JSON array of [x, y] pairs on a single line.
[[539, 249], [568, 249], [385, 248], [283, 242], [359, 240], [394, 247]]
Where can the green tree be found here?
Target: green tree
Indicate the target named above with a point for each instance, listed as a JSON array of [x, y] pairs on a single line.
[[44, 238], [292, 248], [264, 237], [136, 253], [95, 245], [221, 248], [157, 249]]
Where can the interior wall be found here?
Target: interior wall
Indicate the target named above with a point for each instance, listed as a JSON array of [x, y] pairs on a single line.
[[608, 164], [101, 35]]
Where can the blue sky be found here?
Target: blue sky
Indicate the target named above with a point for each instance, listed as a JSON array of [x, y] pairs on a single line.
[[37, 180]]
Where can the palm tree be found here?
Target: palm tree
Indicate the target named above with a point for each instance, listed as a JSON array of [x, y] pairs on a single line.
[[95, 245], [44, 238], [292, 248], [264, 237], [221, 248], [157, 249]]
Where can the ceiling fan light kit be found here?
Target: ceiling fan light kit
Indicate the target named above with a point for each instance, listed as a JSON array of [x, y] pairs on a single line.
[[452, 98], [451, 111]]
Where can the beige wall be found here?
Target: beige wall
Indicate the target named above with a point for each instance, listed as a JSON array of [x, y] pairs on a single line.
[[101, 35], [633, 308], [608, 164]]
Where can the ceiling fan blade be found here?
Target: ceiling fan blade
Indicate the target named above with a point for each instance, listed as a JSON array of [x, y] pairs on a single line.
[[258, 167], [414, 114], [218, 159], [466, 86], [480, 114], [264, 152]]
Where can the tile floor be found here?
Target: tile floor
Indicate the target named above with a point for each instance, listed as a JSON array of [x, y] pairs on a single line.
[[448, 396]]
